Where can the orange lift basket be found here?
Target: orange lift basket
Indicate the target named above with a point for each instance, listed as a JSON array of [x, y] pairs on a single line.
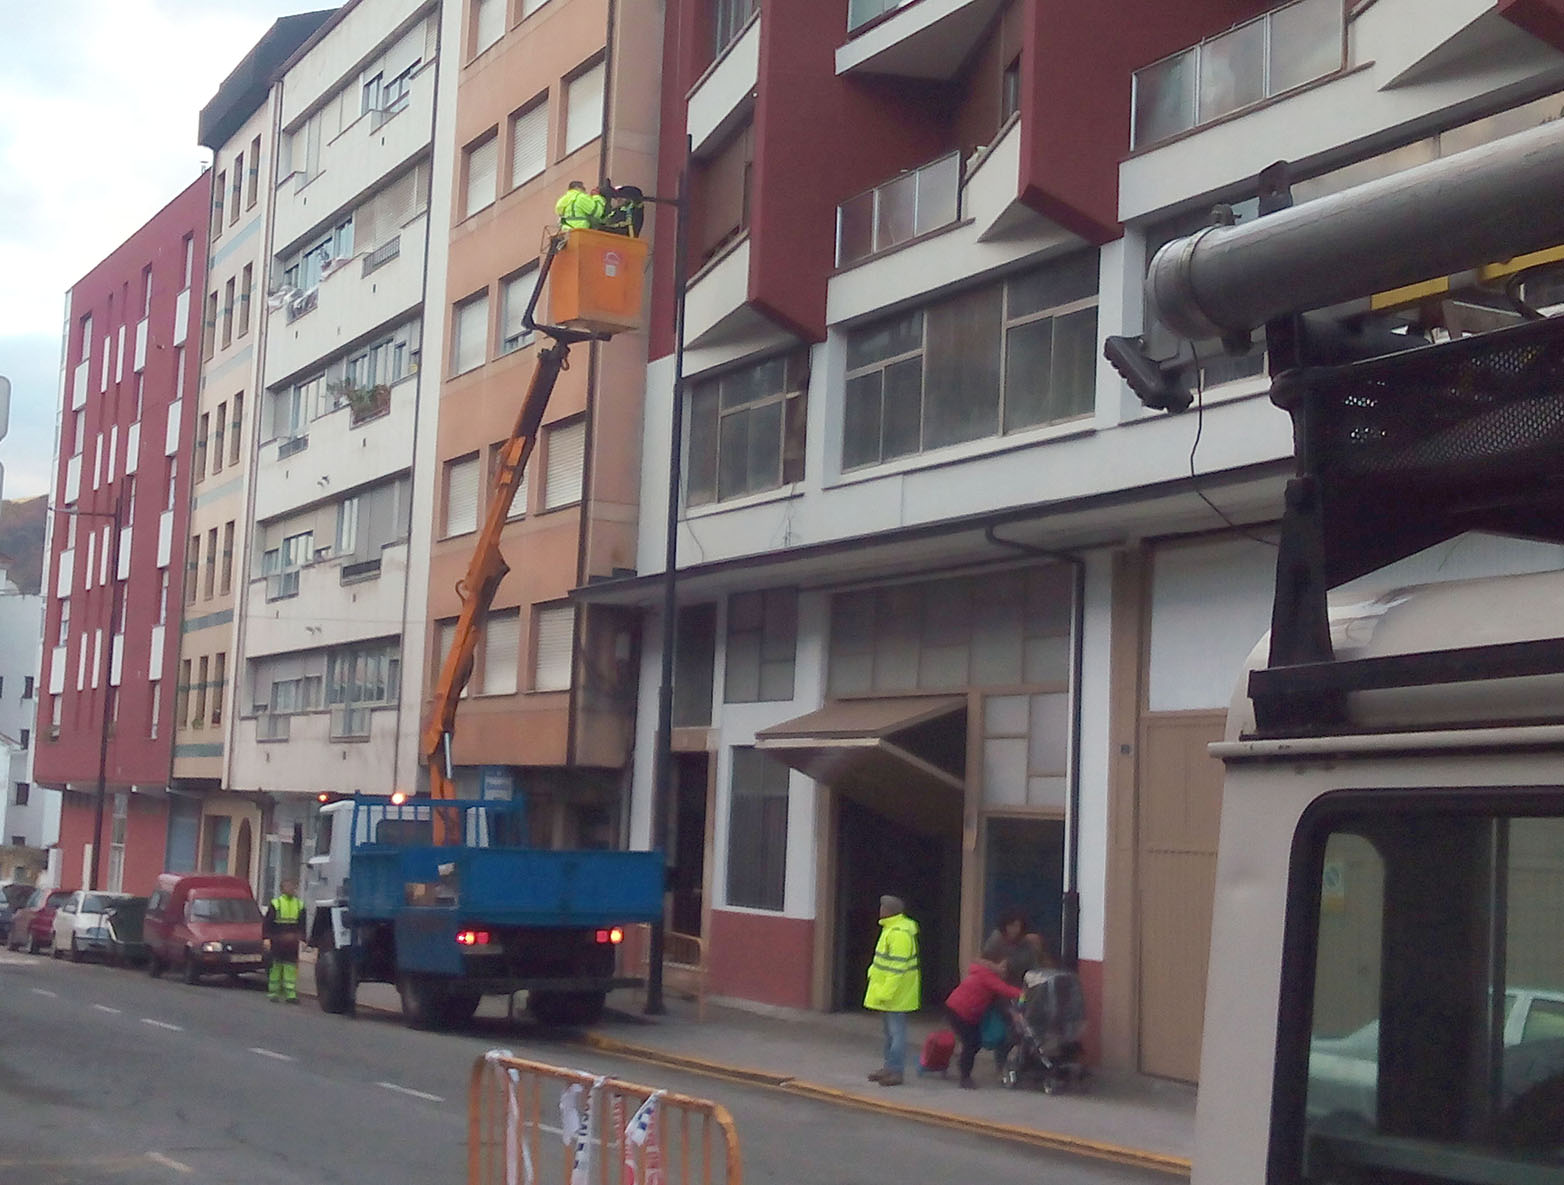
[[596, 282]]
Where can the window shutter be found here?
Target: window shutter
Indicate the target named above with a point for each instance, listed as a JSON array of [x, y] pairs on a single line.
[[518, 290], [551, 659], [461, 495], [584, 113], [483, 162], [472, 335], [489, 20], [528, 7], [529, 143], [501, 652], [566, 463]]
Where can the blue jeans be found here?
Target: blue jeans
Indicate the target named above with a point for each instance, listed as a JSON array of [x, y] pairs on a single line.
[[895, 1041]]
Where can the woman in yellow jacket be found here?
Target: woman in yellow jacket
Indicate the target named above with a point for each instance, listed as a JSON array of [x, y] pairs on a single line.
[[895, 986]]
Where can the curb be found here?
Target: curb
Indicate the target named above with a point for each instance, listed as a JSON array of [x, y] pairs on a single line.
[[1032, 1137]]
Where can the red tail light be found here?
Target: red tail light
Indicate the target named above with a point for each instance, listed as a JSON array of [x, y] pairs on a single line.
[[612, 935], [472, 937]]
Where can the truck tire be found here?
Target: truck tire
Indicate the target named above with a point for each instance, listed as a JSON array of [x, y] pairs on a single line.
[[154, 964], [459, 1006], [423, 1002], [567, 1008], [334, 986]]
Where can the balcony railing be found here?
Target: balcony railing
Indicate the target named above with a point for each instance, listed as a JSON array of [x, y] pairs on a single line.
[[300, 305], [294, 444], [1267, 56], [364, 570], [383, 254], [913, 204], [280, 585], [861, 12]]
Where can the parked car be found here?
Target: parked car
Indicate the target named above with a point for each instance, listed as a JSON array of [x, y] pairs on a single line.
[[13, 896], [79, 928], [33, 924], [124, 920], [204, 925]]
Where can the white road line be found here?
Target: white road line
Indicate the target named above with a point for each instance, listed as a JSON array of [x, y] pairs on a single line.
[[281, 1057], [169, 1162], [161, 1024], [46, 992], [106, 1008], [417, 1094]]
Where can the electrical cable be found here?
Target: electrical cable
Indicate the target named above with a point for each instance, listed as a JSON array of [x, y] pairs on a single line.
[[1194, 476]]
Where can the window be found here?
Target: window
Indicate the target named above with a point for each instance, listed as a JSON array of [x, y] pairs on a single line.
[[528, 7], [757, 831], [141, 382], [305, 270], [203, 425], [501, 652], [162, 600], [720, 212], [358, 678], [488, 23], [219, 192], [226, 585], [470, 334], [728, 18], [198, 719], [27, 687], [553, 647], [1267, 56], [22, 793], [211, 564], [246, 284], [117, 835], [746, 430], [480, 174], [291, 406], [762, 638], [515, 292], [528, 142], [219, 430], [238, 190], [347, 527], [461, 495], [984, 362], [193, 569], [182, 696], [914, 203], [155, 690], [584, 108], [189, 274], [219, 678], [281, 564], [234, 428], [24, 738], [253, 177], [173, 482], [209, 337], [146, 290], [566, 463]]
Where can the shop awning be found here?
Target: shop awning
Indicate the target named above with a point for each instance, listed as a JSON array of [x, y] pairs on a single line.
[[910, 741]]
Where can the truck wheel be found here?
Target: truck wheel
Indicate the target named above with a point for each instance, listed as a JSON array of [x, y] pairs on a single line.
[[567, 1008], [334, 982], [154, 965], [192, 969], [460, 1006], [423, 1002]]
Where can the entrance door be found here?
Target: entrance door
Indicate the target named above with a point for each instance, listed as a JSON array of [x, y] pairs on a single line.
[[1024, 869], [241, 862], [689, 842], [1180, 809]]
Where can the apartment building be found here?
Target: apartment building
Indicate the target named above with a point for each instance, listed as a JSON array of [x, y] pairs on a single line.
[[957, 616], [542, 92], [131, 362], [323, 576], [29, 817], [238, 127]]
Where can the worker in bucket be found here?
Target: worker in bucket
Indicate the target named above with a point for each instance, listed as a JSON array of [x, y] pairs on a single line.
[[579, 210]]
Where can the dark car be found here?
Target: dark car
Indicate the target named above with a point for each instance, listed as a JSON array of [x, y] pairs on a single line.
[[127, 943], [13, 896]]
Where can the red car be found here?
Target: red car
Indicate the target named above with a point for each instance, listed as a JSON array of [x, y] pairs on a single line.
[[33, 924]]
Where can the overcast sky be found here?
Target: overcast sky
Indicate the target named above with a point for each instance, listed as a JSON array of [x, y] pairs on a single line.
[[98, 108]]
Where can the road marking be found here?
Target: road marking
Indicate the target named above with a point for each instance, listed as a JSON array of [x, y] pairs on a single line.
[[46, 992], [106, 1008], [161, 1024], [169, 1162], [281, 1057], [417, 1094]]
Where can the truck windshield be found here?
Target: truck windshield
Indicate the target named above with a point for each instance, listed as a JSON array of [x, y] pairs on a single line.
[[1434, 1046], [224, 909]]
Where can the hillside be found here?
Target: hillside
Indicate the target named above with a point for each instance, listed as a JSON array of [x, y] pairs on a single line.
[[21, 540]]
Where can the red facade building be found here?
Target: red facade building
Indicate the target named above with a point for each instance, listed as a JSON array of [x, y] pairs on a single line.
[[132, 356]]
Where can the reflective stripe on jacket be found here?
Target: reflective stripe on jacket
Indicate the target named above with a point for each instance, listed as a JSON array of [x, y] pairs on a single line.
[[580, 209], [895, 984], [287, 913]]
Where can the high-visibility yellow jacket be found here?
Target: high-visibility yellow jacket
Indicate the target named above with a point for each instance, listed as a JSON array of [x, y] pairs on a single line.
[[580, 209], [895, 984]]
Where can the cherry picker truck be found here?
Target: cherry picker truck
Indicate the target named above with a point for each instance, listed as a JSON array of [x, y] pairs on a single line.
[[441, 896]]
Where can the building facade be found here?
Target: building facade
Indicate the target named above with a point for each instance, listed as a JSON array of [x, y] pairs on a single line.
[[30, 817], [957, 616], [542, 93], [117, 543], [323, 578]]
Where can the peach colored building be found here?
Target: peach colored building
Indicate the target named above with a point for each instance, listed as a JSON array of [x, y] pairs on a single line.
[[545, 92]]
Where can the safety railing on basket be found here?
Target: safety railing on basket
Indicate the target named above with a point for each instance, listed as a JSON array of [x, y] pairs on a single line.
[[528, 1123]]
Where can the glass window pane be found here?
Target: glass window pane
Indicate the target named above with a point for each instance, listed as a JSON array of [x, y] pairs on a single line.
[[746, 611], [855, 229], [732, 454], [776, 681], [1029, 351], [1165, 99], [701, 465], [741, 682], [1306, 42], [1047, 660], [780, 628], [886, 339], [1072, 386], [1063, 282], [1050, 734], [1232, 71], [895, 215], [1047, 792], [938, 188], [903, 428], [962, 368], [1004, 772], [861, 421], [1005, 715], [763, 464]]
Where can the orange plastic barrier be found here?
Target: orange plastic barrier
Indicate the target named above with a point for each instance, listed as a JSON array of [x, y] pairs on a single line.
[[596, 282]]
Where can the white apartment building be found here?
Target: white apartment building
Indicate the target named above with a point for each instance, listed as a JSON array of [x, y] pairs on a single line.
[[963, 631], [324, 574], [30, 815]]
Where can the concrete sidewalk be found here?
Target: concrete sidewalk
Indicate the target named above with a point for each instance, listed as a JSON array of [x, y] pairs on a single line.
[[1123, 1118]]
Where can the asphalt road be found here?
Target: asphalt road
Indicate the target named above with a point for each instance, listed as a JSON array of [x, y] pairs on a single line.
[[108, 1077]]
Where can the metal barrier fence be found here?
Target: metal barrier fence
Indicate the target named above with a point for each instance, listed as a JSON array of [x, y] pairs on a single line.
[[529, 1123]]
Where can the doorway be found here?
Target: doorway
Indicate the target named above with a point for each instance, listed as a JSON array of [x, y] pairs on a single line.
[[241, 860], [1023, 868], [688, 842]]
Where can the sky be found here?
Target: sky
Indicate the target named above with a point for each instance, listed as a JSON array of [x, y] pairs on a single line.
[[98, 107]]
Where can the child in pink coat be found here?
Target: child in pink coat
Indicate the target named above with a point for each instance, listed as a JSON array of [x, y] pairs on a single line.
[[965, 1006]]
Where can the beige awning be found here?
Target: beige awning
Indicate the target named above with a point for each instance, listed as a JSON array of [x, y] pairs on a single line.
[[871, 742]]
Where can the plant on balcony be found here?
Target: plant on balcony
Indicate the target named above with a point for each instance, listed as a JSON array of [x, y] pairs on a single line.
[[364, 403]]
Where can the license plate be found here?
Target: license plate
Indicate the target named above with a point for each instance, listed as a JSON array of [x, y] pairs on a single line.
[[244, 958]]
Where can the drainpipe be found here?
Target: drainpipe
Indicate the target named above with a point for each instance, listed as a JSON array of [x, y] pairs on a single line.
[[1070, 905]]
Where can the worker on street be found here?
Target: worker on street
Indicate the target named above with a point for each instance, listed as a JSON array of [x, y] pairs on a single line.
[[895, 985], [579, 210], [284, 930]]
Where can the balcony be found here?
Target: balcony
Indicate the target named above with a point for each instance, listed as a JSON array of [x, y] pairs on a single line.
[[292, 446], [79, 385], [282, 585], [361, 571], [272, 728], [301, 305], [907, 207], [922, 39], [382, 254], [181, 317], [724, 95], [349, 722]]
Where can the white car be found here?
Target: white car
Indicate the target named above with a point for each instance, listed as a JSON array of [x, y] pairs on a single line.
[[80, 928]]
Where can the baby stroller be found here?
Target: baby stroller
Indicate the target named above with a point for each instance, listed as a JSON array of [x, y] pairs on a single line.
[[1046, 1027]]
